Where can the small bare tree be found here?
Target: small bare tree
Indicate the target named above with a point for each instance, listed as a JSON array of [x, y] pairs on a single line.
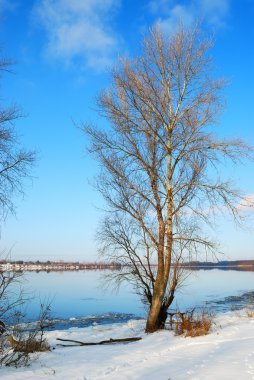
[[15, 163], [11, 295], [14, 167], [160, 163]]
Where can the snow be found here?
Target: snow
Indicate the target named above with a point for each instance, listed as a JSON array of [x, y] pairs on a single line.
[[226, 353]]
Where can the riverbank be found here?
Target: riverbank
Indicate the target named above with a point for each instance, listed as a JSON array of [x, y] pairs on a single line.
[[48, 266], [226, 353]]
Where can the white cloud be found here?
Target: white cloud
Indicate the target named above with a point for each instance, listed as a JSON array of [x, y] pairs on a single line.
[[169, 13], [155, 6], [176, 14], [214, 11], [247, 204], [78, 29]]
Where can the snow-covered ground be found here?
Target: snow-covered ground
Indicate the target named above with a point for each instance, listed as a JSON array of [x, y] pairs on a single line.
[[225, 354]]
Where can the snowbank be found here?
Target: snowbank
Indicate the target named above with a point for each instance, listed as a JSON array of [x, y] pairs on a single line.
[[226, 354]]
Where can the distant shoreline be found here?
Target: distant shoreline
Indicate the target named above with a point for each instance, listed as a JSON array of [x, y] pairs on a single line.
[[53, 266], [219, 264], [57, 266]]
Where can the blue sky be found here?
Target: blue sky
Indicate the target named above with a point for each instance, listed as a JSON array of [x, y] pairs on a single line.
[[62, 50]]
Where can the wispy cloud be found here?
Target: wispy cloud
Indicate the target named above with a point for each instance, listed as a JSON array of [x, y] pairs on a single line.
[[175, 14], [168, 13], [156, 6], [78, 29], [247, 204], [214, 11]]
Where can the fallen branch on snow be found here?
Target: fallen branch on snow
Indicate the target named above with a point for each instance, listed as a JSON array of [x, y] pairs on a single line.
[[110, 341]]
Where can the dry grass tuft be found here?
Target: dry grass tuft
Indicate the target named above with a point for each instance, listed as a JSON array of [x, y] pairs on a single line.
[[249, 312], [194, 323], [17, 351], [28, 346]]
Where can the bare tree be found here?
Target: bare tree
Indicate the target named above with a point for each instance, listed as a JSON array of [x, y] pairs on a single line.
[[11, 294], [160, 163], [14, 161]]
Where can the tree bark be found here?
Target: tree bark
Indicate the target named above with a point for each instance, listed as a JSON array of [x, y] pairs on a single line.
[[157, 316]]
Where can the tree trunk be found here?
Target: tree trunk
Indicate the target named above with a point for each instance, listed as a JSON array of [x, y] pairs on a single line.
[[157, 316]]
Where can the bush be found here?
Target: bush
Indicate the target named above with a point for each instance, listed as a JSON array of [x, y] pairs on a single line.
[[30, 345], [249, 313], [16, 351], [194, 323]]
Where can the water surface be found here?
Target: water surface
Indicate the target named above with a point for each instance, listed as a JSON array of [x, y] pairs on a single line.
[[79, 298]]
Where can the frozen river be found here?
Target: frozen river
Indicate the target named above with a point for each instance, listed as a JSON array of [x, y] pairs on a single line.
[[79, 298]]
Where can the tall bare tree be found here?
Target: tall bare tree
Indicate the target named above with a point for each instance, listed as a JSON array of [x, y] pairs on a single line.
[[14, 161], [160, 161]]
